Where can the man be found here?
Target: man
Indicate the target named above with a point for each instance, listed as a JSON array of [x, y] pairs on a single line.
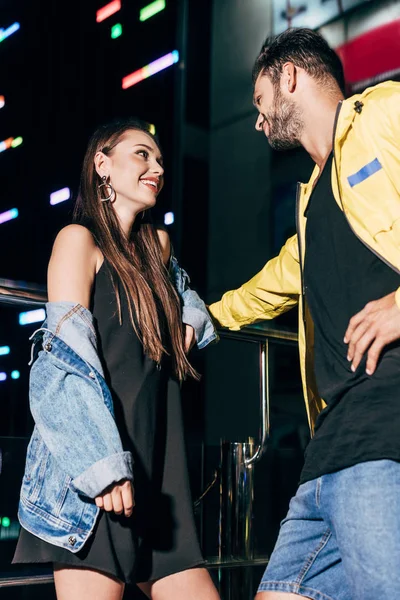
[[341, 537]]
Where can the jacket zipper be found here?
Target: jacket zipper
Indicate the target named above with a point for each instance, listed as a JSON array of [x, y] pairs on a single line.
[[300, 251], [340, 196]]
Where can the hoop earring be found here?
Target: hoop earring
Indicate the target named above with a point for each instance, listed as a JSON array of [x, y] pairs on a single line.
[[108, 185]]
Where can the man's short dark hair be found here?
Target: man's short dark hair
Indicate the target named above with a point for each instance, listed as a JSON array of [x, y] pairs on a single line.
[[305, 48]]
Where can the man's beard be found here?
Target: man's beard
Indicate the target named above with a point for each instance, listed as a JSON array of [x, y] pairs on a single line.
[[285, 123]]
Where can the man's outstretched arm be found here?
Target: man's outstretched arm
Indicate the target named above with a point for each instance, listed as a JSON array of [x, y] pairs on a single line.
[[273, 291]]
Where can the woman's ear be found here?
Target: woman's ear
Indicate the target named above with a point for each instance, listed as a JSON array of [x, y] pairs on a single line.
[[101, 164]]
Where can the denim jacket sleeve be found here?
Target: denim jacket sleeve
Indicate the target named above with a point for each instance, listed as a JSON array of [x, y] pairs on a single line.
[[194, 311], [72, 405]]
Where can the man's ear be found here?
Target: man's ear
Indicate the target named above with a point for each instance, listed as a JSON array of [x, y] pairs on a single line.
[[289, 77]]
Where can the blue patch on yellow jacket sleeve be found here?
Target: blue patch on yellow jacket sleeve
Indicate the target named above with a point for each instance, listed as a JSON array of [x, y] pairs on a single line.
[[364, 172]]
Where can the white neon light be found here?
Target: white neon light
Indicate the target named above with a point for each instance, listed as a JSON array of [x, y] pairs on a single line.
[[169, 218], [3, 376], [60, 196], [32, 316]]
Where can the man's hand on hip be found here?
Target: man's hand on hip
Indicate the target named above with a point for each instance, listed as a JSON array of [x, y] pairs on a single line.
[[373, 328]]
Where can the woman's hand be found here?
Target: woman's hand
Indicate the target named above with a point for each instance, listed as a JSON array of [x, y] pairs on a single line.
[[119, 498], [190, 338]]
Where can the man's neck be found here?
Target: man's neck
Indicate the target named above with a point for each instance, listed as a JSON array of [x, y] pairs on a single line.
[[319, 119]]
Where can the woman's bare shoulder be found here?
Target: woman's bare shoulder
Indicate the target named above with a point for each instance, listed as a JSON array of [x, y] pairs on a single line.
[[74, 261]]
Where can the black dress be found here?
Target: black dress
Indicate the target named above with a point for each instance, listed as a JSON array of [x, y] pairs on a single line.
[[160, 538]]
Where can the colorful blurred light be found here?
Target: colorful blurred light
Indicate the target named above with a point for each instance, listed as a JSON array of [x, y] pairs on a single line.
[[152, 129], [4, 350], [5, 33], [60, 196], [2, 101], [5, 522], [10, 143], [169, 218], [6, 144], [32, 316], [15, 374], [116, 31], [3, 376], [109, 9], [151, 9], [155, 67], [16, 142], [9, 215]]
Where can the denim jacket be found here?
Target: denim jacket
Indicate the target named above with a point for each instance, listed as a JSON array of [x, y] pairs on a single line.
[[75, 451], [194, 310]]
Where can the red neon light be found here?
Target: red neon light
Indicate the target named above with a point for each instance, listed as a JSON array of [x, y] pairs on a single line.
[[133, 78], [108, 10]]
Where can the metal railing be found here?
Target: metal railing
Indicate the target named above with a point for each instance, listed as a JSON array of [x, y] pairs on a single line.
[[236, 531], [20, 292]]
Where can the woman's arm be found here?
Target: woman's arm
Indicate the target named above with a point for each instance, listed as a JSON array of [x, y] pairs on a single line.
[[74, 261], [199, 327], [165, 245], [72, 268]]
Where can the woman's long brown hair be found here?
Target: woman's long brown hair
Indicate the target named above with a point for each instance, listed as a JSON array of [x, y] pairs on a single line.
[[137, 260]]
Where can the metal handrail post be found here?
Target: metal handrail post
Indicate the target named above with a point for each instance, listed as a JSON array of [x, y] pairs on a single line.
[[264, 404]]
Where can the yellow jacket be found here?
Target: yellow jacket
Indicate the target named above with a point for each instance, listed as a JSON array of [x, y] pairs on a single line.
[[366, 186]]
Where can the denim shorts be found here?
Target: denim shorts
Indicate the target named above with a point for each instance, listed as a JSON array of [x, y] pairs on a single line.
[[341, 537]]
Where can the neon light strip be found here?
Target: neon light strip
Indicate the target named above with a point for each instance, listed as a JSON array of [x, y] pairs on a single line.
[[155, 67], [151, 9], [2, 101], [108, 10], [15, 374], [10, 143], [9, 215], [60, 196], [16, 142], [116, 31], [32, 316], [3, 376], [6, 144], [169, 218], [4, 350], [5, 33]]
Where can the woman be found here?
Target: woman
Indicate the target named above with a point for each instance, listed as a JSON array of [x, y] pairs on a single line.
[[105, 496]]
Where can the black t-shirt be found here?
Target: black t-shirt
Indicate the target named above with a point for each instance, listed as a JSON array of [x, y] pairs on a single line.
[[341, 275]]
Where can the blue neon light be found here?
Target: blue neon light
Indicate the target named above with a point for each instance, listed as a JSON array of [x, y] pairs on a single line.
[[5, 33]]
